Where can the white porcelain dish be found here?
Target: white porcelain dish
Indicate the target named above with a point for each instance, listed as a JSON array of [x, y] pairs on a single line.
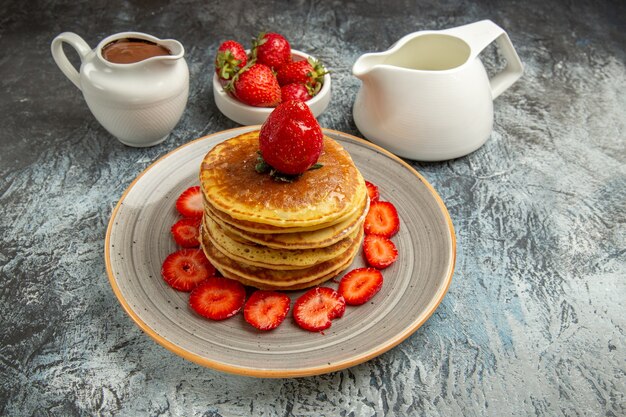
[[138, 239], [250, 115]]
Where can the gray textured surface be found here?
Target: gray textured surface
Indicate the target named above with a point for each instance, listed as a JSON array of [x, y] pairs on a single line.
[[534, 320]]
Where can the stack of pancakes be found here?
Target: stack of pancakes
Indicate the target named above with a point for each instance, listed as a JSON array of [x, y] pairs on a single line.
[[280, 235]]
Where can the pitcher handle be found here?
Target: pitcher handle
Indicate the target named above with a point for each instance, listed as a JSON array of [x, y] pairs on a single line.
[[61, 59], [478, 36]]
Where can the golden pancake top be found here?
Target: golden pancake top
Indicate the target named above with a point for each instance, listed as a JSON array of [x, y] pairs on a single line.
[[231, 184]]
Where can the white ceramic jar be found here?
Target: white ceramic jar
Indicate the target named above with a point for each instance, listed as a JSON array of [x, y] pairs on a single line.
[[429, 97], [139, 103]]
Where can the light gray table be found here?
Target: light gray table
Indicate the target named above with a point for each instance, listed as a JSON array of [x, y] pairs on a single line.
[[534, 320]]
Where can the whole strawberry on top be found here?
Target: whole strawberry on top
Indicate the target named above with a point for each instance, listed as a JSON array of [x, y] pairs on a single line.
[[291, 139], [255, 85], [231, 57], [271, 49]]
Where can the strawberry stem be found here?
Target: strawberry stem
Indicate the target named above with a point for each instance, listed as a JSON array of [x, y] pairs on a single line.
[[256, 42], [230, 86], [263, 167], [227, 64]]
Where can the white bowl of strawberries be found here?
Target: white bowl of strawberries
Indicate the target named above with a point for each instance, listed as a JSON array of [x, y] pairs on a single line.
[[248, 84]]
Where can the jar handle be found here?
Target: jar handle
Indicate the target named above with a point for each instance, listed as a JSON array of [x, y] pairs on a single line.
[[61, 59], [478, 36]]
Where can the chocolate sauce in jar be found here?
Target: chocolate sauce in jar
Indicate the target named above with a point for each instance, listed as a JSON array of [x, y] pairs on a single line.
[[131, 50]]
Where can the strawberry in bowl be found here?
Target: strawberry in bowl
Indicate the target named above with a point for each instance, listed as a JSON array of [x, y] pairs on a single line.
[[231, 57], [271, 49], [249, 95]]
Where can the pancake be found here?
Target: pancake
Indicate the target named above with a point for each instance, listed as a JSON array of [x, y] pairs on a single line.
[[260, 228], [291, 287], [280, 279], [320, 197], [297, 240], [250, 253]]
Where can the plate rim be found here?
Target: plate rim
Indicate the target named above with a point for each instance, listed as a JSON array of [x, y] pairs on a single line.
[[273, 373]]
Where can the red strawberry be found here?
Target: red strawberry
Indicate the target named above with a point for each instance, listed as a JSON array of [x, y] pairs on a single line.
[[308, 71], [218, 298], [185, 269], [360, 285], [294, 91], [256, 85], [372, 191], [231, 57], [291, 140], [189, 203], [265, 310], [271, 49], [315, 309], [380, 252], [382, 219], [186, 232]]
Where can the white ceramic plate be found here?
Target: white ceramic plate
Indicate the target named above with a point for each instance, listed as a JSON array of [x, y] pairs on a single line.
[[138, 240]]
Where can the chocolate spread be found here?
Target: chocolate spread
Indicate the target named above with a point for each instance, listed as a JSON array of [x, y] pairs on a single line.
[[131, 50]]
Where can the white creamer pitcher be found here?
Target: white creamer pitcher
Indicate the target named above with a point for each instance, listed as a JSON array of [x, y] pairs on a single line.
[[139, 102], [429, 97]]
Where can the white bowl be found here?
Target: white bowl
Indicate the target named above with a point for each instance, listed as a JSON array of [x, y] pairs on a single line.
[[250, 115]]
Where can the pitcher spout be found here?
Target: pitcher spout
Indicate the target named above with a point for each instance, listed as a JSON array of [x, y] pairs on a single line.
[[366, 63], [177, 51]]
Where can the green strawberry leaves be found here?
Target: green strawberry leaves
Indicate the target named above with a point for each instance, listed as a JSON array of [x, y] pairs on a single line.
[[263, 167]]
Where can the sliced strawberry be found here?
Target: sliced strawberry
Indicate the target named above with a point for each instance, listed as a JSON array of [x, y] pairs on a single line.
[[186, 232], [360, 285], [189, 203], [185, 269], [218, 298], [382, 219], [315, 309], [372, 191], [265, 310], [380, 252]]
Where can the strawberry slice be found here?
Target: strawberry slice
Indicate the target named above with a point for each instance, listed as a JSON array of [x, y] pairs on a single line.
[[265, 310], [315, 309], [218, 298], [189, 203], [382, 219], [380, 252], [360, 285], [185, 269], [372, 191], [186, 232]]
